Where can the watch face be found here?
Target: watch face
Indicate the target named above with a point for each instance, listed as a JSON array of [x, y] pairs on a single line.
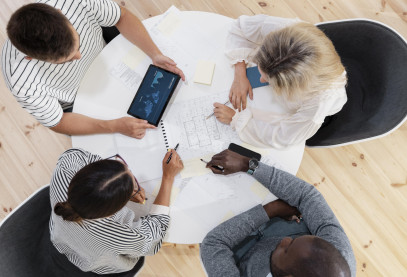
[[253, 164]]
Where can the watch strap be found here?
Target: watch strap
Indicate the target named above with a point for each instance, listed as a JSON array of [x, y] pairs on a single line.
[[250, 171]]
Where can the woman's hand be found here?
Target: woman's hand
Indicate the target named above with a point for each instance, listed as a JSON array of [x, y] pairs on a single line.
[[240, 88], [170, 170], [138, 197], [223, 113], [279, 208], [166, 63], [175, 165]]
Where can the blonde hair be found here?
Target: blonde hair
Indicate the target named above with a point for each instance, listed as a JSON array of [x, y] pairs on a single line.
[[298, 60]]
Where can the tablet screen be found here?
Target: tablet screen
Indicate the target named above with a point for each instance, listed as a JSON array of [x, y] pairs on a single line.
[[153, 95]]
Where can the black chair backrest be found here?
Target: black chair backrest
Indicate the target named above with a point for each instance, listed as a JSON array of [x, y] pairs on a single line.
[[21, 237], [26, 249], [375, 58]]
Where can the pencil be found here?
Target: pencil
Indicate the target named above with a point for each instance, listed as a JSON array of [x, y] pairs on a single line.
[[227, 102], [169, 158], [215, 166]]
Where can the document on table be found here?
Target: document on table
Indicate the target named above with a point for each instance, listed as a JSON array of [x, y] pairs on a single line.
[[171, 33], [170, 22], [203, 190], [134, 58], [127, 76], [195, 167], [187, 123], [144, 156]]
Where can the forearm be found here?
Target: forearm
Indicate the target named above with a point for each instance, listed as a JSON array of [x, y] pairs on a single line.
[[216, 249], [299, 194], [317, 214], [133, 30], [233, 231], [78, 124], [240, 70], [164, 194]]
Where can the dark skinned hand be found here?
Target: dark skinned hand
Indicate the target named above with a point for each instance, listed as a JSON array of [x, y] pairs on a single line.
[[279, 208], [231, 162]]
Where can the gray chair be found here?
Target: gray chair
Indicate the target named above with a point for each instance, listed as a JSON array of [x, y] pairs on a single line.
[[26, 249], [375, 58]]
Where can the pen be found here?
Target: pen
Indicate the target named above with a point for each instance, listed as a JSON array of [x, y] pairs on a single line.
[[144, 202], [227, 102], [169, 158], [219, 167]]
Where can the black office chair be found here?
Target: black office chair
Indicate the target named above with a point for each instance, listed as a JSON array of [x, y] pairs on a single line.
[[25, 246], [109, 33], [375, 58]]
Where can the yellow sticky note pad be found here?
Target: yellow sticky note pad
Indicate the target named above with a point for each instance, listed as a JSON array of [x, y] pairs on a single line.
[[195, 167], [169, 24], [259, 190], [204, 72], [134, 57]]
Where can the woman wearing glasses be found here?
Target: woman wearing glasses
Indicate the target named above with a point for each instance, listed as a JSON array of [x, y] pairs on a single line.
[[90, 224]]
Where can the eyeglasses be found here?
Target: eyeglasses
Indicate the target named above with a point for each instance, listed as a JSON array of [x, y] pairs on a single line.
[[118, 158]]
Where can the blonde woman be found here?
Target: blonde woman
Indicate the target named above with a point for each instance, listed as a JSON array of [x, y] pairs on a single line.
[[304, 71]]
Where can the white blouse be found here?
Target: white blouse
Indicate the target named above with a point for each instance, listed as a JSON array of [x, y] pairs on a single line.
[[303, 117]]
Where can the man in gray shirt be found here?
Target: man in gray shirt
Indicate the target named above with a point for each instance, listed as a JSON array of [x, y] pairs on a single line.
[[326, 252]]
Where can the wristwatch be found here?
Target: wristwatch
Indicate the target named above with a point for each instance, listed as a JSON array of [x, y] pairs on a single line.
[[253, 164]]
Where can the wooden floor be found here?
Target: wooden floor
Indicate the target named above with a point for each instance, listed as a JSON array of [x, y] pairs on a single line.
[[365, 184]]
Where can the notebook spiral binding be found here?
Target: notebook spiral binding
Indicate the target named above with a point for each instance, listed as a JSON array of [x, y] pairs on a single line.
[[167, 146]]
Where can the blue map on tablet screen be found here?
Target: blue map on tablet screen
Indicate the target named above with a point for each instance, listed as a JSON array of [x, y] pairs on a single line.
[[153, 94]]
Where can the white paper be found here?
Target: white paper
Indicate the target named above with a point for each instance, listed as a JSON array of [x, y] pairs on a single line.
[[144, 157], [129, 77], [173, 38], [187, 123]]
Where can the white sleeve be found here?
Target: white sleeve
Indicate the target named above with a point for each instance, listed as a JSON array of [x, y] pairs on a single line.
[[268, 129], [248, 32], [273, 130]]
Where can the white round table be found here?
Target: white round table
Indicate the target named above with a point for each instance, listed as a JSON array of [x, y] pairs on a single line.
[[198, 204]]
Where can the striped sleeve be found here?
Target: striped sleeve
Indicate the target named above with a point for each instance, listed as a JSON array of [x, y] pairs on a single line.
[[23, 77], [141, 238], [106, 12], [70, 162], [44, 108]]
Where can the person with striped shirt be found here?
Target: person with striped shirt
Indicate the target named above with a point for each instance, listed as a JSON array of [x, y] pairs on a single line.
[[90, 223], [51, 45]]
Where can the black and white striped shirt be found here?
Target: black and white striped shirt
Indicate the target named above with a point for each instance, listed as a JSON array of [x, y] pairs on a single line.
[[107, 245], [45, 89]]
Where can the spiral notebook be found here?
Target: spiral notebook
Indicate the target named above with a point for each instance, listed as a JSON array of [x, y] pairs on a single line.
[[144, 156]]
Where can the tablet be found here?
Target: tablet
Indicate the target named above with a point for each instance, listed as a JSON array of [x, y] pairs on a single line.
[[153, 95], [244, 151]]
